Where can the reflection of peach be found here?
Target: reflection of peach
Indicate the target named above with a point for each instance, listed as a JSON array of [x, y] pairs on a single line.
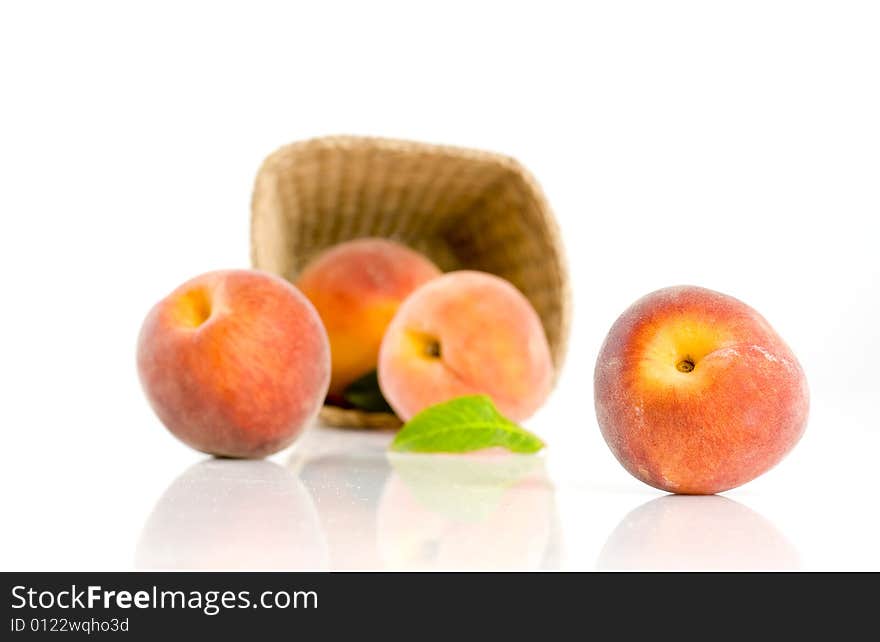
[[696, 533], [356, 288], [235, 363], [223, 514], [345, 471], [695, 392], [461, 514], [466, 333]]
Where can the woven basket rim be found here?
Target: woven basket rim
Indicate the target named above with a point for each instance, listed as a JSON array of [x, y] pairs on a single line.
[[339, 417], [353, 141]]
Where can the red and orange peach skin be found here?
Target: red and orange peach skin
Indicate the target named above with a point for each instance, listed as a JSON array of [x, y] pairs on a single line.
[[463, 333], [695, 393], [235, 363], [357, 287]]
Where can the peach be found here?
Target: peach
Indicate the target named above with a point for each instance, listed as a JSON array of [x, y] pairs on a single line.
[[466, 333], [235, 363], [695, 392], [357, 287]]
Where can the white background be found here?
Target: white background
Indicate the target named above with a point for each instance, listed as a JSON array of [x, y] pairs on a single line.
[[730, 145]]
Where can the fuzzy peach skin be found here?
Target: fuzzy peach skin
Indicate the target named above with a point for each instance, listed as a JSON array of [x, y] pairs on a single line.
[[466, 333], [357, 287], [695, 392], [235, 363]]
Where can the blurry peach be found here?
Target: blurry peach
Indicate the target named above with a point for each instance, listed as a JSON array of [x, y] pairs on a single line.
[[357, 287], [235, 363], [466, 333], [695, 392]]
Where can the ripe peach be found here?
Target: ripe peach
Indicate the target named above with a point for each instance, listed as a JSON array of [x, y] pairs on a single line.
[[695, 392], [357, 287], [466, 333], [235, 363]]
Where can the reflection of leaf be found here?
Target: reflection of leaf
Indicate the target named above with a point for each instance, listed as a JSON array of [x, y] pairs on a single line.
[[461, 425], [466, 488], [364, 393]]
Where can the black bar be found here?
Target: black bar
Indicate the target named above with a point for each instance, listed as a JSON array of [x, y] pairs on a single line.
[[660, 604]]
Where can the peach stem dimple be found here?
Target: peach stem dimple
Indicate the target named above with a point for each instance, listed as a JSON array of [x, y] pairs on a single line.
[[194, 307], [424, 345], [432, 348], [685, 365]]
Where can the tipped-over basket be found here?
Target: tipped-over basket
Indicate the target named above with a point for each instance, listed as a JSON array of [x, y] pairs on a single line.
[[464, 209]]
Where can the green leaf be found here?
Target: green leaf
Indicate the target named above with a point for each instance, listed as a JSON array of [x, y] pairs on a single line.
[[462, 425], [365, 394]]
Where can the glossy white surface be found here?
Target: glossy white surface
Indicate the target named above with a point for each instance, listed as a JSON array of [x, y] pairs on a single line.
[[728, 145], [339, 500]]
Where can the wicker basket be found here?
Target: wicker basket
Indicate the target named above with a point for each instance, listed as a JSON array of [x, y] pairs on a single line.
[[462, 208]]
